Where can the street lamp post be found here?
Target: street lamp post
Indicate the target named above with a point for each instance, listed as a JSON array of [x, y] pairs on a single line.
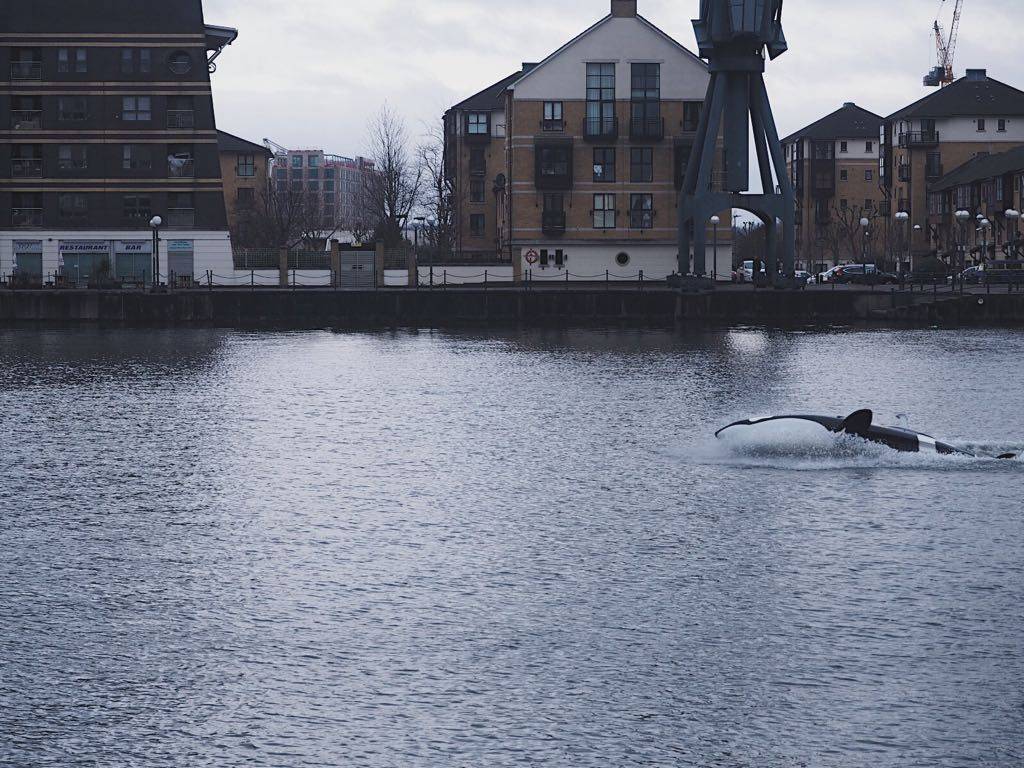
[[864, 223], [715, 221], [156, 222], [417, 225], [1013, 216], [986, 225], [962, 218], [904, 219]]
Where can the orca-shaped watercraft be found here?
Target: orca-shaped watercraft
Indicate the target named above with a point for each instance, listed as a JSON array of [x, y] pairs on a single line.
[[815, 429]]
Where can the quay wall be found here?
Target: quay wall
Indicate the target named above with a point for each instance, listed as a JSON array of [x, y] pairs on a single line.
[[387, 308]]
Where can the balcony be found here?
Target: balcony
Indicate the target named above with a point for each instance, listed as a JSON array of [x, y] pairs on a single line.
[[482, 137], [553, 222], [181, 218], [552, 126], [178, 168], [26, 168], [903, 172], [601, 128], [919, 139], [649, 128], [27, 70], [27, 120], [181, 118], [27, 217]]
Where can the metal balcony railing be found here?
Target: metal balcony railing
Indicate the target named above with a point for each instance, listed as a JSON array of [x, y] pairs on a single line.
[[647, 128], [641, 219], [181, 118], [181, 217], [181, 169], [27, 70], [26, 168], [552, 126], [26, 119], [27, 217], [553, 222], [601, 128], [919, 139]]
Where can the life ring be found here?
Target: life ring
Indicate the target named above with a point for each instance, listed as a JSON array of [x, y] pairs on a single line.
[[532, 256]]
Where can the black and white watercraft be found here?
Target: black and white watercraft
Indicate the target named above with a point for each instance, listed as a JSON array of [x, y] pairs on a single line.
[[820, 431]]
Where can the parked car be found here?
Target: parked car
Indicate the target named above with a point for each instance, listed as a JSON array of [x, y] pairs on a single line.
[[863, 274], [746, 271], [970, 276], [826, 277], [807, 277]]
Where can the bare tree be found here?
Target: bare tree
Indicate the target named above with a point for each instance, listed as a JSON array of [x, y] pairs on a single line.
[[285, 217], [440, 195], [393, 189]]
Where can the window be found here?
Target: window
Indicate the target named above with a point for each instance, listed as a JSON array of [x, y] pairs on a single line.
[[246, 197], [80, 56], [246, 167], [72, 157], [314, 162], [297, 161], [604, 164], [477, 224], [477, 124], [552, 116], [313, 186], [843, 146], [81, 60], [600, 98], [127, 61], [136, 157], [641, 165], [328, 173], [554, 203], [641, 211], [844, 175], [1001, 126], [645, 99], [604, 211], [328, 184], [844, 204], [72, 109], [180, 63], [72, 206], [136, 109], [137, 208], [981, 124], [869, 175], [145, 60], [476, 190], [477, 161], [691, 114], [554, 161], [869, 146], [869, 204], [63, 60], [280, 174]]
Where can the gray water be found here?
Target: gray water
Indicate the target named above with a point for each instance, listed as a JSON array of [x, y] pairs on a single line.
[[311, 549]]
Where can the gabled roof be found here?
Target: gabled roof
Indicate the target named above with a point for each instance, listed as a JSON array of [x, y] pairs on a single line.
[[981, 168], [492, 97], [967, 97], [657, 30], [848, 122], [228, 142]]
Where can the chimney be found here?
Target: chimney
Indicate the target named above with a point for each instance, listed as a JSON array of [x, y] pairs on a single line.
[[624, 9], [849, 104], [977, 74]]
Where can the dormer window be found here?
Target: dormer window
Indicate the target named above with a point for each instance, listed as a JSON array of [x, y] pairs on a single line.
[[478, 123]]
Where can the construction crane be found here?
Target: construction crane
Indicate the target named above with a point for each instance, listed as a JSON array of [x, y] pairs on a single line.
[[943, 74]]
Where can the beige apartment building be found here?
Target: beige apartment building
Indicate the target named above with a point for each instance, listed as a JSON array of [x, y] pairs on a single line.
[[833, 165], [924, 142], [245, 168], [575, 164]]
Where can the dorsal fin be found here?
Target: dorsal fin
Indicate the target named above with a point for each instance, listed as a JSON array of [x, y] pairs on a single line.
[[858, 423]]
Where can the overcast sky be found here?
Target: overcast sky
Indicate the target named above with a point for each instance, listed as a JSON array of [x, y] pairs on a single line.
[[309, 74]]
